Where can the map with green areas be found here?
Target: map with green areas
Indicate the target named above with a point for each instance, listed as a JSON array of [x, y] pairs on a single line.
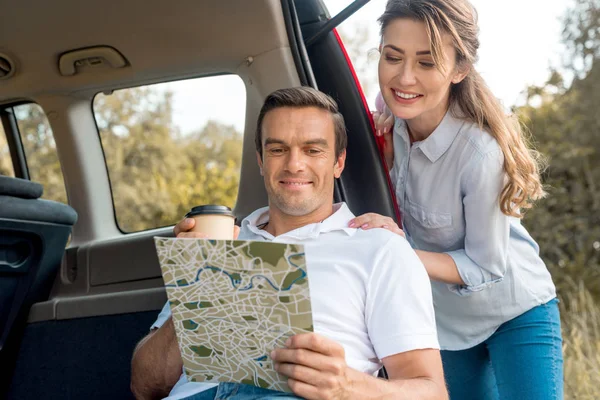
[[233, 302]]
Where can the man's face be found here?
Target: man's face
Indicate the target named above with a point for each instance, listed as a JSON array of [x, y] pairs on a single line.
[[299, 163]]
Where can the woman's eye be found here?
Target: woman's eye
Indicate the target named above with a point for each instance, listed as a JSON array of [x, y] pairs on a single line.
[[427, 64], [392, 58]]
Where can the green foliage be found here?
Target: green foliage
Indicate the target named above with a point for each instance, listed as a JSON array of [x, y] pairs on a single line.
[[581, 342], [6, 167], [156, 173], [40, 151], [565, 124], [581, 34], [566, 224]]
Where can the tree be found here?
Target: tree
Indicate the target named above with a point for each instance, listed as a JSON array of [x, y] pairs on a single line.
[[40, 151], [156, 173], [566, 128], [6, 167], [581, 34]]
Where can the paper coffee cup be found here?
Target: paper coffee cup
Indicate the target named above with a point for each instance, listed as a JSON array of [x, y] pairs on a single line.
[[215, 221]]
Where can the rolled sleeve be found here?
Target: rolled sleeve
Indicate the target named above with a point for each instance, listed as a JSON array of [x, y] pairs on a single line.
[[475, 277], [483, 261]]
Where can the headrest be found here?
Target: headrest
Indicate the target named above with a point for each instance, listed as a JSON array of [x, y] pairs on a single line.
[[17, 187]]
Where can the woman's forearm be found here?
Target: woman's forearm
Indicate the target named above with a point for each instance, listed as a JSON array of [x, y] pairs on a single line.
[[440, 267]]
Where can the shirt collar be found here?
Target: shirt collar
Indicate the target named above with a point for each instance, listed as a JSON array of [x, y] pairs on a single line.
[[440, 139], [338, 221]]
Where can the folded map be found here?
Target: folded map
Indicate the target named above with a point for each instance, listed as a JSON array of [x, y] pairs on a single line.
[[233, 302]]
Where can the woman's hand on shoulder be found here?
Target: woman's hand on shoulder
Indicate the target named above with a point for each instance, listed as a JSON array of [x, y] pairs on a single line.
[[373, 220]]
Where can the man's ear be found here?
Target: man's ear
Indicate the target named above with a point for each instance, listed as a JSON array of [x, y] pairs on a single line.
[[340, 163], [260, 163]]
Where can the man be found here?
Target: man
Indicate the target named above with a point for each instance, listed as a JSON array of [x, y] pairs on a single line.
[[370, 294]]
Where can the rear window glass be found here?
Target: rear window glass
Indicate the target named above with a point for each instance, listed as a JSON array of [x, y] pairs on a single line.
[[40, 151], [6, 166], [172, 146]]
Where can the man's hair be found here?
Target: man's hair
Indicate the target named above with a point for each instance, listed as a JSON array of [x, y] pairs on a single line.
[[303, 97]]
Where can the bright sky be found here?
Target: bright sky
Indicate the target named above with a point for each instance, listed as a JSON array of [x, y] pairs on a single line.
[[520, 40], [220, 98]]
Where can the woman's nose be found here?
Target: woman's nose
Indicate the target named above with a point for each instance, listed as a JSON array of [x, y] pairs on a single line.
[[407, 75]]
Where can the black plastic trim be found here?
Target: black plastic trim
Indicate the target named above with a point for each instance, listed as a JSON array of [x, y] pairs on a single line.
[[302, 48], [335, 21], [294, 33]]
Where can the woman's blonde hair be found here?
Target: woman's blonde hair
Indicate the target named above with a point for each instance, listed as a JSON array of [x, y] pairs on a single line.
[[474, 99]]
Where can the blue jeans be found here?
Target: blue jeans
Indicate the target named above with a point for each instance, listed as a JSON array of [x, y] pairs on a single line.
[[521, 360], [238, 391]]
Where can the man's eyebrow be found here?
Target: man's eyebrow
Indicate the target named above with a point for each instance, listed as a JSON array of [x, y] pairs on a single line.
[[399, 50], [269, 141], [321, 142]]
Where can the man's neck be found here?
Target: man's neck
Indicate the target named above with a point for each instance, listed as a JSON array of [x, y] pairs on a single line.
[[280, 223]]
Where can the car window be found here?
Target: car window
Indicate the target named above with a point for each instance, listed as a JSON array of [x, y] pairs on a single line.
[[172, 146], [40, 151], [6, 167]]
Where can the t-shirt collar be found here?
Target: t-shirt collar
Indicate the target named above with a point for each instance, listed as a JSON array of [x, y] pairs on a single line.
[[338, 221]]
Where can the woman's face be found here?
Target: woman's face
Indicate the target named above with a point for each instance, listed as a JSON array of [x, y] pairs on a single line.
[[410, 82]]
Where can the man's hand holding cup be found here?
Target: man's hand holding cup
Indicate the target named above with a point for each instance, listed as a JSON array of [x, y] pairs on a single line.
[[208, 222]]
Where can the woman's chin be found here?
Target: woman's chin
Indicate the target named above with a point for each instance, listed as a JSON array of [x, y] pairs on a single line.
[[405, 113]]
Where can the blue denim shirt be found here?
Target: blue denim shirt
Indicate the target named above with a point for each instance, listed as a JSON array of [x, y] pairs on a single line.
[[448, 188]]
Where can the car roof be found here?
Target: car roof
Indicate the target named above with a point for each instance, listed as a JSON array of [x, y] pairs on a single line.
[[160, 40]]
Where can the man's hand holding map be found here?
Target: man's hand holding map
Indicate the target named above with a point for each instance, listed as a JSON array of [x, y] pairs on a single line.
[[233, 302]]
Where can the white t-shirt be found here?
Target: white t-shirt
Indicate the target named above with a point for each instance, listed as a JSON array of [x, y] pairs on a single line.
[[369, 290]]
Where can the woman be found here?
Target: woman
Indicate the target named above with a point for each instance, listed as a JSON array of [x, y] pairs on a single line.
[[462, 174]]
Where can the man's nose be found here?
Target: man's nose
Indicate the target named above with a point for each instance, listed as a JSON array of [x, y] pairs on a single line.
[[407, 75], [295, 161]]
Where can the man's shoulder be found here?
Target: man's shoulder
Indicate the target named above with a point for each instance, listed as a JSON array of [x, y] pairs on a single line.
[[382, 240], [376, 245], [390, 251]]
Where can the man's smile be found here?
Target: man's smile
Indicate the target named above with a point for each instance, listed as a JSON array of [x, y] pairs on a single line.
[[295, 183]]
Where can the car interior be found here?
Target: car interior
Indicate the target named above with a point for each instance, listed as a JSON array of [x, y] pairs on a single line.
[[77, 292]]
